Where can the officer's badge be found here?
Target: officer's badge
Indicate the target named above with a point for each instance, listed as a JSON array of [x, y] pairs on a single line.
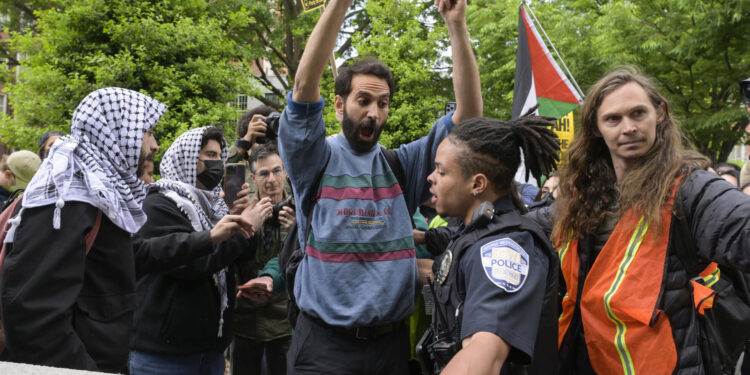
[[445, 267], [505, 263]]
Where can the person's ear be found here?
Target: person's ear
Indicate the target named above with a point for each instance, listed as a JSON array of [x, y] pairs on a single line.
[[338, 104], [480, 184]]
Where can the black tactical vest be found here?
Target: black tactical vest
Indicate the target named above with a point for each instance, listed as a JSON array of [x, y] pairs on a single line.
[[449, 296]]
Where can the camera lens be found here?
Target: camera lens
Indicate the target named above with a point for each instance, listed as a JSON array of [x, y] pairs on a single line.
[[272, 128]]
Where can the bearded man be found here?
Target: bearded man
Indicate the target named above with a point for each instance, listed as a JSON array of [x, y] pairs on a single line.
[[357, 282]]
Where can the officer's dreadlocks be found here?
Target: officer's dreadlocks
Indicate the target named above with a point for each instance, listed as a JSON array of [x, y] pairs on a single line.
[[491, 147]]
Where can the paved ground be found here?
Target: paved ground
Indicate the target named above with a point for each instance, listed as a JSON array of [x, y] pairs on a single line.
[[21, 369]]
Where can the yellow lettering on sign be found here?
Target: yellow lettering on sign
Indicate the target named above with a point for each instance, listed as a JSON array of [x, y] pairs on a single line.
[[564, 129], [308, 5]]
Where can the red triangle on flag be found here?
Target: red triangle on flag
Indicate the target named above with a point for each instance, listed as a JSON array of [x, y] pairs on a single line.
[[548, 80]]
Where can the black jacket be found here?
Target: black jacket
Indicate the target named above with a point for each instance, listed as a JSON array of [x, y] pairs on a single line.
[[178, 310], [718, 218], [63, 308]]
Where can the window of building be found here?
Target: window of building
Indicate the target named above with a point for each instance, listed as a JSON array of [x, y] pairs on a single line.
[[241, 102], [4, 103]]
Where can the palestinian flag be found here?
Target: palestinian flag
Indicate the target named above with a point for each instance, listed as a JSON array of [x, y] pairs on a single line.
[[539, 80]]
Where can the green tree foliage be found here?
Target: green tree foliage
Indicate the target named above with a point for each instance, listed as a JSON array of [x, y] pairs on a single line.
[[179, 52], [275, 32], [695, 51], [194, 55], [18, 15]]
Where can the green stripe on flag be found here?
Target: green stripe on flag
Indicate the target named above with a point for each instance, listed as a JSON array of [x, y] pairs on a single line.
[[554, 108]]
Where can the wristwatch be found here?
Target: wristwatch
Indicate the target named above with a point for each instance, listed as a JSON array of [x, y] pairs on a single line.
[[241, 143]]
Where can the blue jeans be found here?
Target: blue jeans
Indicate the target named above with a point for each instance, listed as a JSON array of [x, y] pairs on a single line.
[[206, 363]]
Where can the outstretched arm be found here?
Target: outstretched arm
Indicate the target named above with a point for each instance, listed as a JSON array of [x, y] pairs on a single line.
[[319, 47], [482, 353], [466, 85]]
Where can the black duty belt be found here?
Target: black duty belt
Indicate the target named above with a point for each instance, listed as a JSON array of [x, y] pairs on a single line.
[[361, 333]]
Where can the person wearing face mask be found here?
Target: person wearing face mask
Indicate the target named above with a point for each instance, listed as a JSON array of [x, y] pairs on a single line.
[[16, 170], [183, 322], [71, 251]]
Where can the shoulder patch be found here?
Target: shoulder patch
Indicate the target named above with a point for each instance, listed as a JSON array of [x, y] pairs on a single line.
[[505, 263]]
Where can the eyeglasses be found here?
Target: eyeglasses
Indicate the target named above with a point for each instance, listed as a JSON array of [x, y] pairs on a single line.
[[265, 174], [745, 90]]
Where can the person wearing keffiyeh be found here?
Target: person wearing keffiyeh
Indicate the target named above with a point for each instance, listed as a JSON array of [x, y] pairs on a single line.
[[184, 316], [66, 303]]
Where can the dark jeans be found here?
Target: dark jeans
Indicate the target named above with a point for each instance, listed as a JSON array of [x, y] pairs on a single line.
[[318, 349], [247, 356]]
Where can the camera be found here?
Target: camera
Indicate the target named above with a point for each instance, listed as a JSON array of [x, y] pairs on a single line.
[[745, 90], [288, 202], [272, 128]]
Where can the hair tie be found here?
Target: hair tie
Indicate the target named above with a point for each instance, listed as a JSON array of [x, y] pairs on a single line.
[[513, 127]]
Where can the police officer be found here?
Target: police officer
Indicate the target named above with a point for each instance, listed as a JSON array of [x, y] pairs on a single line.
[[494, 287]]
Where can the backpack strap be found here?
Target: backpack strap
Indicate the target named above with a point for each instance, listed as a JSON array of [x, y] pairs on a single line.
[[395, 163], [91, 235], [10, 211], [685, 246]]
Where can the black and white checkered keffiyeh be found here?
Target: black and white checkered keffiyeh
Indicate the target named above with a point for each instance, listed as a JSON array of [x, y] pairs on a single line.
[[204, 208], [178, 174], [97, 162]]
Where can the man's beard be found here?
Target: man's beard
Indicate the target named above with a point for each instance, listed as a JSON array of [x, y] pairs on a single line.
[[142, 159], [351, 132]]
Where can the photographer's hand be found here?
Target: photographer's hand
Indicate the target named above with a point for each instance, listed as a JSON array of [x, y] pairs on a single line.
[[256, 128], [286, 217]]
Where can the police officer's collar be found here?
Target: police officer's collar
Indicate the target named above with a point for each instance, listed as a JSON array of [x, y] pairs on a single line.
[[503, 204]]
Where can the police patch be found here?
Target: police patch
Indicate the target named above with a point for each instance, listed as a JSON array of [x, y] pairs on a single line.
[[505, 263]]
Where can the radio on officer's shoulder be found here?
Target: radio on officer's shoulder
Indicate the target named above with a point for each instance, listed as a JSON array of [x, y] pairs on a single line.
[[482, 215]]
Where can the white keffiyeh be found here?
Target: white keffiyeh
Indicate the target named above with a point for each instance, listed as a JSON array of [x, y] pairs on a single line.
[[97, 162], [204, 208]]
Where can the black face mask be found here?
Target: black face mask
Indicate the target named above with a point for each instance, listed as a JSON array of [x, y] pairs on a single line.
[[212, 175]]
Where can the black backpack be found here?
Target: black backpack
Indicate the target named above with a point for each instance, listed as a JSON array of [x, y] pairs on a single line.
[[291, 254], [724, 328]]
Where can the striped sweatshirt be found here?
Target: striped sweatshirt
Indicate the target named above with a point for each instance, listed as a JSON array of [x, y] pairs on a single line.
[[360, 266]]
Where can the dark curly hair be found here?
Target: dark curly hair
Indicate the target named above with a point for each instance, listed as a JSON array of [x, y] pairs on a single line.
[[362, 65], [492, 146]]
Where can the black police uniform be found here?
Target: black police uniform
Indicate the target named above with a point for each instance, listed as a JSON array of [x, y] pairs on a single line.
[[502, 279]]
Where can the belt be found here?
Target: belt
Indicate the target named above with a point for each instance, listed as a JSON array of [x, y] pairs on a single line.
[[361, 333]]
